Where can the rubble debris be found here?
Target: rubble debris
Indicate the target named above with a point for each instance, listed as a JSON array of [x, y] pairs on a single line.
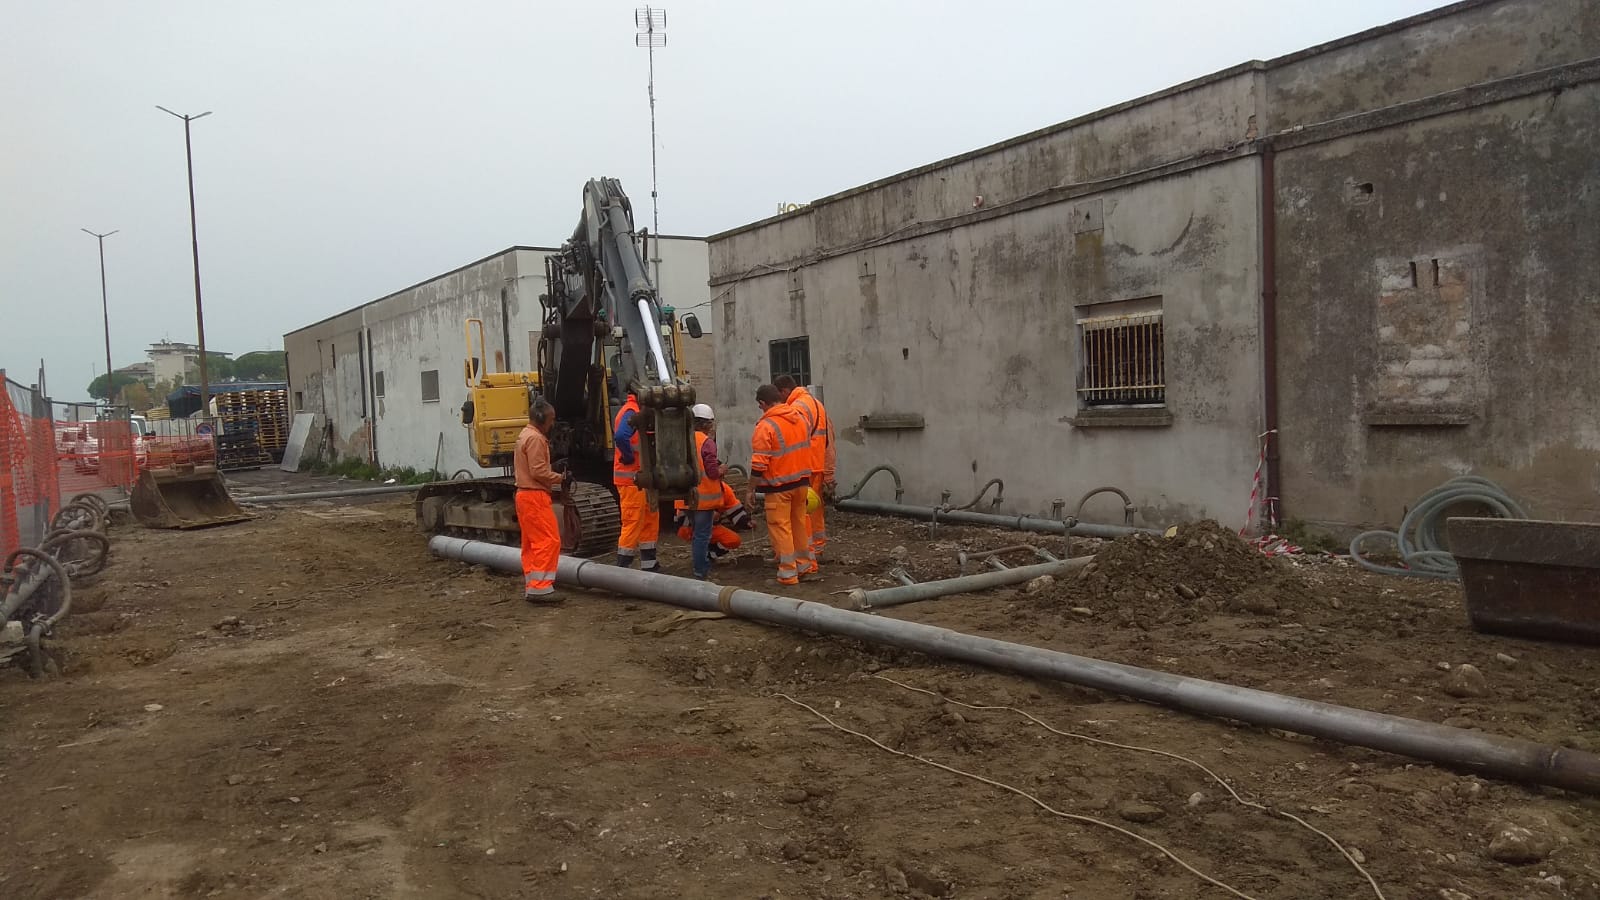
[[1466, 680], [1518, 846]]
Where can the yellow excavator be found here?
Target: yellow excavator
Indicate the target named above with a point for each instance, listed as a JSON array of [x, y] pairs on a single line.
[[605, 334]]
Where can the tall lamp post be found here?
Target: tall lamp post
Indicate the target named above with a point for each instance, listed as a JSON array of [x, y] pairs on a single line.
[[105, 312], [194, 240]]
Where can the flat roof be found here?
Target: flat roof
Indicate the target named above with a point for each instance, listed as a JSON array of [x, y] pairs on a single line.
[[1222, 75], [512, 249]]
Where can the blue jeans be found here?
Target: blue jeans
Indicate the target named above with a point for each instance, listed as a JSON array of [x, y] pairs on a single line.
[[701, 542]]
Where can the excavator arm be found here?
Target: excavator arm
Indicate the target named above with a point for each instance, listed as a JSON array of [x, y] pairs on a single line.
[[599, 299]]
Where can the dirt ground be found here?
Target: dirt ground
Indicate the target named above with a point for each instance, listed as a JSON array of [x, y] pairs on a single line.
[[379, 723]]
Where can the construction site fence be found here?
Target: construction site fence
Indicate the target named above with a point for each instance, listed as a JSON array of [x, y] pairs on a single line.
[[52, 452]]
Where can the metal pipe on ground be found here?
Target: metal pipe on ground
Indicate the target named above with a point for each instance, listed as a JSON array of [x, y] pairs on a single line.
[[989, 520], [1503, 757], [329, 495], [927, 590]]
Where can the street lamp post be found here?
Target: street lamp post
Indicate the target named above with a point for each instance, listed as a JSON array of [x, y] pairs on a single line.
[[105, 312], [194, 241]]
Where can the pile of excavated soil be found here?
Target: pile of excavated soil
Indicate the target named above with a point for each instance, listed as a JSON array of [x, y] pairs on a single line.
[[1145, 580]]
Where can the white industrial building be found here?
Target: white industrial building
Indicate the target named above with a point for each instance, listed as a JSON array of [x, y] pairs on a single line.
[[386, 378]]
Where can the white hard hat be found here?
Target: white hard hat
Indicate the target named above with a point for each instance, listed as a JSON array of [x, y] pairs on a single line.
[[702, 411]]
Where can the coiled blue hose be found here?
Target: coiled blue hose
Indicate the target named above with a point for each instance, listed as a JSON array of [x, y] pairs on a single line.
[[1420, 536]]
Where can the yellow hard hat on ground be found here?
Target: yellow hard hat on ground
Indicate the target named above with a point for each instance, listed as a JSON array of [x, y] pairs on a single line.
[[812, 500]]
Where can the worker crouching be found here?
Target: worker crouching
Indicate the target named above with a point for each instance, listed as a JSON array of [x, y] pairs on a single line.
[[780, 472]]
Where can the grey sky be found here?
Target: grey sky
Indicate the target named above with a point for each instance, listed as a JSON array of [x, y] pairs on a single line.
[[359, 146]]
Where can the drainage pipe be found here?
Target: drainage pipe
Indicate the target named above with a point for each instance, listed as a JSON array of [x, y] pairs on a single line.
[[1021, 523], [963, 557], [1496, 755], [927, 590], [329, 495]]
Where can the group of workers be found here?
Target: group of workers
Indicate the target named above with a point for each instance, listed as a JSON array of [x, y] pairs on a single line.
[[791, 472]]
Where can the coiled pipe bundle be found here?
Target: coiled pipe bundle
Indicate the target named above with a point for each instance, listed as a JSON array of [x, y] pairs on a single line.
[[1420, 538]]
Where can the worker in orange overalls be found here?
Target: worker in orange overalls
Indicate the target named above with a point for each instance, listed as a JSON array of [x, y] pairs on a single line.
[[714, 496], [822, 454], [780, 471], [640, 521], [536, 517], [730, 519]]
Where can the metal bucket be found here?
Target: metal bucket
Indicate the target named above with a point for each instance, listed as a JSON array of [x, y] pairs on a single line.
[[183, 497], [1530, 578]]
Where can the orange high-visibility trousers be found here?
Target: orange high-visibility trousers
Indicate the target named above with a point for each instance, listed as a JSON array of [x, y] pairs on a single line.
[[789, 528], [721, 536], [641, 526], [818, 523], [541, 542]]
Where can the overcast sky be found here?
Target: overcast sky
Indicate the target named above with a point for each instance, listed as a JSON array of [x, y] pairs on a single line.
[[358, 146]]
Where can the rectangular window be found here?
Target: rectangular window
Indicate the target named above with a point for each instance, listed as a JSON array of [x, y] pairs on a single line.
[[1121, 354], [430, 386], [377, 384], [299, 400], [792, 357]]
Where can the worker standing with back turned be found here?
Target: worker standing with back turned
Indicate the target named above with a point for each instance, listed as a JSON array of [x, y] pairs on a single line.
[[780, 471], [640, 521], [822, 454], [536, 516]]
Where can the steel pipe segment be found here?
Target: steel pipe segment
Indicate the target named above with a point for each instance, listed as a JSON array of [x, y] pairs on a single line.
[[927, 590], [329, 495], [989, 520], [1497, 755]]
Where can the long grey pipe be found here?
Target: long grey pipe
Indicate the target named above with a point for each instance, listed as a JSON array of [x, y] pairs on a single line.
[[1021, 523], [927, 590], [1497, 755], [329, 495]]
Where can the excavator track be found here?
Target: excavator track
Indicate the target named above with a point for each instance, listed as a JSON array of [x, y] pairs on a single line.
[[484, 509]]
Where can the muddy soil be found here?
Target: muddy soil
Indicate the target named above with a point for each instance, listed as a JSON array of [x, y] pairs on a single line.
[[308, 705]]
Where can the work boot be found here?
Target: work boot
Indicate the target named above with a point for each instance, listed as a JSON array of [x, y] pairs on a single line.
[[548, 598]]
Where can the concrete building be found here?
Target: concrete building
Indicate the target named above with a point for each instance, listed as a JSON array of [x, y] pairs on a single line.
[[387, 377], [176, 360], [142, 371], [1382, 249]]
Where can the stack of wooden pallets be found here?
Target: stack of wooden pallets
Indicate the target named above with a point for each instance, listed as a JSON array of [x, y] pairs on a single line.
[[265, 414]]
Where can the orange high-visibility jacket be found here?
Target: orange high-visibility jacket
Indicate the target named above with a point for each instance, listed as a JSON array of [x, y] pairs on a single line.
[[822, 449], [624, 471], [709, 492], [780, 458]]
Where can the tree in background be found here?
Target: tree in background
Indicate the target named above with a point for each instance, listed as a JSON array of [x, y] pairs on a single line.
[[97, 387], [138, 398], [218, 369], [262, 365]]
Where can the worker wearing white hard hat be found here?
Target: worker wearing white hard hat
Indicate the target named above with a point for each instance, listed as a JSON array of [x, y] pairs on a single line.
[[708, 493]]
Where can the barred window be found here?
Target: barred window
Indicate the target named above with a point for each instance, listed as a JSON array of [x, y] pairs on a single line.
[[430, 386], [1121, 358], [792, 357]]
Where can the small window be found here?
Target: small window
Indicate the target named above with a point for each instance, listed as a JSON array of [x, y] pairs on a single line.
[[1121, 355], [430, 386], [299, 400], [792, 357], [377, 384]]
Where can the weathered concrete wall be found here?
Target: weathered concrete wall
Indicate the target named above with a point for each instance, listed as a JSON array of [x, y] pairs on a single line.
[[421, 329], [1456, 145], [1429, 54], [974, 328], [1444, 322]]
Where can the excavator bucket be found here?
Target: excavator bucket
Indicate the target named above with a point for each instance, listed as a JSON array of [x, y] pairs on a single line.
[[1530, 578], [185, 496]]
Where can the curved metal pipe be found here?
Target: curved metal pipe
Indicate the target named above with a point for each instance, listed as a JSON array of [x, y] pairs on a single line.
[[1497, 755], [1127, 503], [328, 495], [899, 490], [927, 590], [963, 557], [999, 496], [989, 520]]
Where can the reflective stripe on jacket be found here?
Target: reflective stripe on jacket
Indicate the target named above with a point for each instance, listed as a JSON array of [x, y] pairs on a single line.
[[780, 458]]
